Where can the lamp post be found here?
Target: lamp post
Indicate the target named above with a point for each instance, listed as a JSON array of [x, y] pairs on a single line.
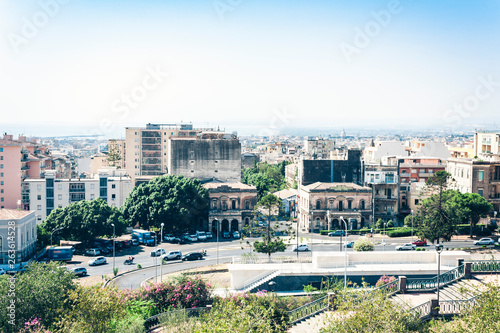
[[53, 233], [113, 225], [298, 226], [345, 253], [156, 259], [383, 239], [412, 226], [439, 249], [161, 258], [217, 220]]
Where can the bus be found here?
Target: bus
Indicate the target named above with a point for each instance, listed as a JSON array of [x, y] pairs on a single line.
[[60, 253]]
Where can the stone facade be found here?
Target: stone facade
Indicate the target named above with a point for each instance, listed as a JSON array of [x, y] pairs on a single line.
[[232, 204], [321, 205], [385, 184]]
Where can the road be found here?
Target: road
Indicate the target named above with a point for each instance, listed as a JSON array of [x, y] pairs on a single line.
[[227, 250]]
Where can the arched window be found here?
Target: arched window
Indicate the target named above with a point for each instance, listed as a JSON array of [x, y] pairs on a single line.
[[341, 206], [330, 204], [233, 204], [318, 204], [349, 204], [362, 204], [224, 205], [214, 204]]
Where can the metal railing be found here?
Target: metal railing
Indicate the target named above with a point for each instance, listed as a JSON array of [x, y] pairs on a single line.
[[431, 283], [276, 260], [308, 310], [389, 288], [456, 306], [486, 266], [257, 280]]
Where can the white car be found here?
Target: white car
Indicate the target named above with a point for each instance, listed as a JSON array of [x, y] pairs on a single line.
[[169, 237], [97, 261], [406, 247], [209, 235], [93, 252], [201, 235], [484, 241], [192, 238], [157, 252], [78, 271], [172, 255], [301, 248]]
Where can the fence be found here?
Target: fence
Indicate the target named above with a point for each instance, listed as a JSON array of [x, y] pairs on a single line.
[[485, 266], [308, 310], [446, 278], [273, 260]]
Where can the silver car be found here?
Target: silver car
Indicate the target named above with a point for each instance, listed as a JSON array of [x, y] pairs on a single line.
[[172, 255], [484, 241], [97, 261]]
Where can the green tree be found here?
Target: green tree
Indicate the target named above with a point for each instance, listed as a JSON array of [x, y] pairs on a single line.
[[266, 177], [85, 220], [177, 201], [270, 243], [40, 292], [390, 224], [380, 224], [469, 208]]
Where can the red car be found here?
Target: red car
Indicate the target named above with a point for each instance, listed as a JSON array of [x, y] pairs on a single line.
[[420, 242]]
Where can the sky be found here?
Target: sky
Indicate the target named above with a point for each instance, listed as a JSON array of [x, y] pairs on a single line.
[[93, 67]]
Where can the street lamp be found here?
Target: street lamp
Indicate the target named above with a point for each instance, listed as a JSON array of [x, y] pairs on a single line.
[[412, 226], [345, 253], [439, 249], [217, 220], [383, 239], [161, 252], [53, 233], [113, 225]]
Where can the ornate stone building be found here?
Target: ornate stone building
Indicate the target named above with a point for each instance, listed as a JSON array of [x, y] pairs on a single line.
[[232, 204], [322, 204]]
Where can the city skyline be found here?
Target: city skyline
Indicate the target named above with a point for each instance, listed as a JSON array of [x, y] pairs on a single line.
[[96, 67]]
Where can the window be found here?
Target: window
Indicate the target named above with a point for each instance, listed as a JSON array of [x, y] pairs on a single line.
[[224, 205], [233, 204], [1, 191], [92, 186], [38, 197], [1, 199], [113, 186], [362, 204], [39, 207], [247, 204], [318, 204], [59, 197], [416, 201], [103, 192], [214, 204], [1, 150], [349, 204], [1, 158], [59, 187], [480, 175], [1, 166], [92, 196], [1, 174], [1, 182], [103, 182], [389, 178], [113, 196], [39, 187], [341, 206], [480, 192]]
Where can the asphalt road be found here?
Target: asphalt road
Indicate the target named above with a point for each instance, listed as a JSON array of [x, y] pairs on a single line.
[[227, 250]]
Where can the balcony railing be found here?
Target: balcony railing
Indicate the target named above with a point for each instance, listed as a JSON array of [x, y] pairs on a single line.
[[25, 167]]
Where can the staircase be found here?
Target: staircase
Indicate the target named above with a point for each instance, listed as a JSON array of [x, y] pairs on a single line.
[[258, 280], [460, 290]]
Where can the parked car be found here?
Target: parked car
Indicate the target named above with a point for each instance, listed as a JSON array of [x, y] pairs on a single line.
[[127, 243], [135, 242], [97, 261], [484, 241], [201, 236], [93, 252], [236, 234], [349, 244], [337, 233], [301, 248], [172, 255], [78, 271], [192, 256], [105, 250], [406, 247], [420, 242], [226, 234], [169, 238], [209, 235], [263, 224], [157, 252]]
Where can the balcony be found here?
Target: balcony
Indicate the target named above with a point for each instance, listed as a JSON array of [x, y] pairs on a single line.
[[25, 158], [25, 167], [151, 148]]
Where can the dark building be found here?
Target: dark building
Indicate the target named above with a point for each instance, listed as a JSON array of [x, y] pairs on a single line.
[[348, 170]]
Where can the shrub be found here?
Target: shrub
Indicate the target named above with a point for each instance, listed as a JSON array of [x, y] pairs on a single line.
[[399, 232], [390, 224], [384, 279], [115, 271], [363, 244]]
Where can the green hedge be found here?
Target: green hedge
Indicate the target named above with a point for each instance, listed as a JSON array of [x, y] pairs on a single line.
[[350, 232], [399, 232], [464, 229]]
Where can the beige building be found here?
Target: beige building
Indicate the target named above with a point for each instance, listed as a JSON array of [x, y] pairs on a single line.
[[116, 153], [232, 204], [24, 239], [476, 176], [321, 205]]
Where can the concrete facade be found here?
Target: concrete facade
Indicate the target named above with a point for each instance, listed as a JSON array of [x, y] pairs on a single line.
[[321, 206], [16, 227], [384, 181], [232, 204]]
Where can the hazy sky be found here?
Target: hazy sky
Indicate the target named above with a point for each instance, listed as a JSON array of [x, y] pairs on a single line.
[[95, 66]]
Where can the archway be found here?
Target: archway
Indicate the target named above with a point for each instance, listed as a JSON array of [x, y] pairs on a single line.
[[234, 225], [334, 225], [247, 221], [224, 225], [353, 224]]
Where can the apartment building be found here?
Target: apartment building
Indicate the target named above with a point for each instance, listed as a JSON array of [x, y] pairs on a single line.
[[321, 206], [384, 181], [180, 149], [24, 239], [476, 176], [22, 159], [318, 148], [486, 143], [49, 193], [116, 153]]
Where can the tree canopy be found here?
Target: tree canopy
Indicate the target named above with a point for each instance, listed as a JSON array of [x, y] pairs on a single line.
[[266, 177], [84, 221], [177, 201]]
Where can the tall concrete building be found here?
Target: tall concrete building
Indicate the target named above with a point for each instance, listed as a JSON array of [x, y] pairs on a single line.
[[180, 149]]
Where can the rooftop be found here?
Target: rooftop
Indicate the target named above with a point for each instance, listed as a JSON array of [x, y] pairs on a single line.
[[13, 214], [237, 185], [336, 186]]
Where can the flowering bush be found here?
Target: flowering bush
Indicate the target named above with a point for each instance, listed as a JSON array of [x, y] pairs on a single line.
[[183, 292], [363, 244], [34, 326], [384, 279]]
